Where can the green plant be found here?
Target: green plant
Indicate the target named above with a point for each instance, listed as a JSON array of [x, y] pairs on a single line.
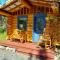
[[2, 30]]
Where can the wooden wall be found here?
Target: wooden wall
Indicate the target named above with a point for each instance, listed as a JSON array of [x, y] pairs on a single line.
[[58, 29], [30, 27], [24, 10], [53, 29], [12, 25]]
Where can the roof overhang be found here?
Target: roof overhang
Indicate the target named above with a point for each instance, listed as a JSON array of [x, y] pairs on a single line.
[[5, 13], [10, 8]]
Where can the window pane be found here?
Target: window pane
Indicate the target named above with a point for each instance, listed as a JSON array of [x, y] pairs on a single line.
[[22, 23]]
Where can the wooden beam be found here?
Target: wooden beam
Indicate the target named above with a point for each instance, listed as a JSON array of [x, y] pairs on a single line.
[[54, 14], [41, 3], [30, 4], [19, 7], [5, 13], [15, 9], [27, 2], [23, 3]]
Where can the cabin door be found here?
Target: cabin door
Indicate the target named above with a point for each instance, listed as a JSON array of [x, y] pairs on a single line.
[[3, 28], [38, 26]]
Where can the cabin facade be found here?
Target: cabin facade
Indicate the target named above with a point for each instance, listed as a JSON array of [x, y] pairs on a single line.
[[29, 20]]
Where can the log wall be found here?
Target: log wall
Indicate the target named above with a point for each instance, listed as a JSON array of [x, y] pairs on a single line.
[[12, 25], [58, 30], [29, 27]]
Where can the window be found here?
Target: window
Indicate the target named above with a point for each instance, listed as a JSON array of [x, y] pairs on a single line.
[[22, 23]]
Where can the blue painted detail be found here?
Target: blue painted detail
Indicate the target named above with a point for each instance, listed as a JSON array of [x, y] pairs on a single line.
[[2, 2], [35, 37], [39, 25]]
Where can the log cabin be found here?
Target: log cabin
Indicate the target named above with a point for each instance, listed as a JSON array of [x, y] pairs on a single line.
[[32, 20]]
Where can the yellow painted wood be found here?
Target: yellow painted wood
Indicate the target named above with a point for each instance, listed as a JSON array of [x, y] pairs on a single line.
[[4, 13], [29, 27]]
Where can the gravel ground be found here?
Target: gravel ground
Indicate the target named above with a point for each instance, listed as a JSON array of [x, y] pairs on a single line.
[[57, 56], [8, 54]]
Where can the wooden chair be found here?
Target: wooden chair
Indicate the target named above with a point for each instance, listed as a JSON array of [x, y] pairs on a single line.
[[15, 35], [47, 43], [23, 36]]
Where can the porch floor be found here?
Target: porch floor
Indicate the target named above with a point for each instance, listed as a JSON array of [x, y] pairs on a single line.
[[31, 49]]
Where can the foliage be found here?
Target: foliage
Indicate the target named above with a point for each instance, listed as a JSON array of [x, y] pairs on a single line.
[[2, 30], [3, 27], [3, 36]]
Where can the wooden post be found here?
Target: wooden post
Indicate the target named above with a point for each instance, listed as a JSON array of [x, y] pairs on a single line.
[[12, 24], [30, 27]]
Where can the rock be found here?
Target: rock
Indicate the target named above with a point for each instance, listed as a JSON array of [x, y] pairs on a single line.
[[11, 49]]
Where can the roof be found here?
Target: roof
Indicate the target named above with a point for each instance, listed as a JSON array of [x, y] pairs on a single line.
[[10, 5]]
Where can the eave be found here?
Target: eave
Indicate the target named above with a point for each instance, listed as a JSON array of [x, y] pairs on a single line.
[[5, 13], [41, 3]]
